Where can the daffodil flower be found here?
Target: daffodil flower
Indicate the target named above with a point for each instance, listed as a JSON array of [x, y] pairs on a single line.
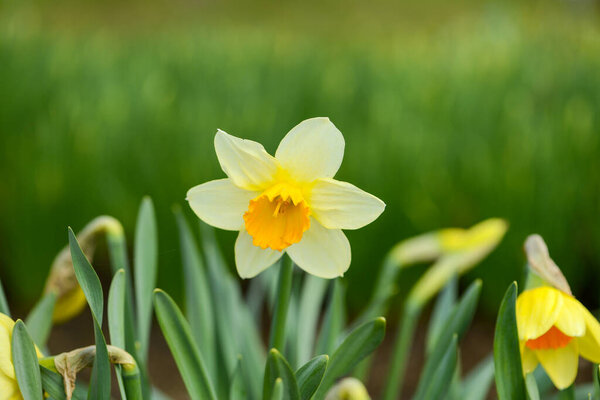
[[554, 328], [286, 203], [9, 388]]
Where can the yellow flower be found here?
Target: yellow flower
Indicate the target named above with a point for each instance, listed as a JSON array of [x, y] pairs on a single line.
[[289, 202], [554, 330], [9, 389], [348, 389]]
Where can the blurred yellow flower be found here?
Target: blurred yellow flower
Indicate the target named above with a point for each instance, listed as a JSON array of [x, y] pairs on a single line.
[[554, 330], [9, 389], [289, 202], [348, 389]]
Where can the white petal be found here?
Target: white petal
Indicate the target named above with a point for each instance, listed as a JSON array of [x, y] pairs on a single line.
[[245, 162], [340, 205], [312, 149], [251, 260], [322, 252], [220, 203]]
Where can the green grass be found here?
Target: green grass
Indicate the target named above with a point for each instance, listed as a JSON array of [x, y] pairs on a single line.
[[489, 112]]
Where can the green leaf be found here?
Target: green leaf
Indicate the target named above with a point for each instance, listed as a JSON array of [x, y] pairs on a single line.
[[146, 263], [277, 393], [442, 377], [25, 360], [457, 323], [507, 358], [4, 309], [596, 381], [277, 367], [199, 309], [39, 320], [116, 310], [531, 387], [53, 384], [100, 382], [117, 249], [311, 300], [569, 393], [333, 321], [87, 278], [185, 352], [477, 384], [359, 344], [116, 319], [90, 284], [442, 308], [237, 389], [310, 376]]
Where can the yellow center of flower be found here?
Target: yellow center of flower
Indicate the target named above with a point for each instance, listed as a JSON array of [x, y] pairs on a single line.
[[553, 339], [278, 217]]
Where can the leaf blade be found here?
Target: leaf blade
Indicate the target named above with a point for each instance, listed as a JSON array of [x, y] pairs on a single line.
[[507, 358], [185, 352], [25, 360], [145, 270]]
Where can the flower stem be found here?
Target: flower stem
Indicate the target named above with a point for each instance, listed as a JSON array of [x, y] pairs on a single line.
[[284, 288], [132, 382], [401, 350]]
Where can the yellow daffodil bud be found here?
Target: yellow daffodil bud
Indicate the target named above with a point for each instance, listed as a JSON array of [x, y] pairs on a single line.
[[62, 280], [554, 328], [348, 389], [9, 389], [460, 250]]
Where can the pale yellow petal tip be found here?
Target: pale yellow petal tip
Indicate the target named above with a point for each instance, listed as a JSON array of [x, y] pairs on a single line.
[[487, 233]]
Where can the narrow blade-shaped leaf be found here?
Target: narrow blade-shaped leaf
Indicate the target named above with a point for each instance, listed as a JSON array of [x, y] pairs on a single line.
[[359, 344], [442, 308], [116, 318], [333, 321], [183, 347], [199, 309], [90, 284], [310, 376], [531, 386], [146, 260], [25, 360], [39, 320], [237, 389], [456, 323], [311, 300], [4, 309], [278, 390], [441, 379], [278, 367], [87, 278], [53, 384], [478, 382], [507, 357]]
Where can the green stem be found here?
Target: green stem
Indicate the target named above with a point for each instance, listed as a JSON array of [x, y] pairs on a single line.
[[284, 288], [401, 351], [132, 382]]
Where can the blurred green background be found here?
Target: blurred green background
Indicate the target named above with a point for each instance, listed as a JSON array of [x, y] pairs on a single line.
[[451, 112]]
